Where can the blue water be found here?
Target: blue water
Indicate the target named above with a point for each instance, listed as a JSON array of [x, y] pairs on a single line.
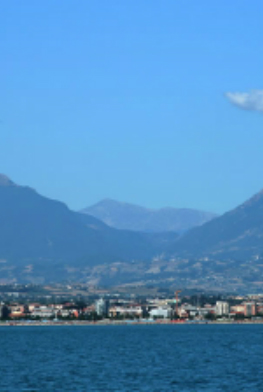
[[132, 358]]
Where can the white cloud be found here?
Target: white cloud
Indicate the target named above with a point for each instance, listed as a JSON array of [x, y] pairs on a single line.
[[252, 100]]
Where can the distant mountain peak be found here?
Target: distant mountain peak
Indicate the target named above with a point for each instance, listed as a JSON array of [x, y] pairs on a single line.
[[127, 216], [5, 181], [119, 204]]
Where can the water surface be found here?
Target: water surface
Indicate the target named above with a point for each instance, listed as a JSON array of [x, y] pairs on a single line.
[[132, 358]]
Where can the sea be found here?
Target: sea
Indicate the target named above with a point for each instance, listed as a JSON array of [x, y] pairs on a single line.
[[132, 358]]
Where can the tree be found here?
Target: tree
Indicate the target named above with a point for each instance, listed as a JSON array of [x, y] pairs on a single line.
[[26, 309], [239, 316], [5, 312], [80, 305], [210, 316]]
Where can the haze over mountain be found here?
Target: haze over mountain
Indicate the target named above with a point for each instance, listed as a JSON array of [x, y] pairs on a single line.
[[37, 231], [127, 216]]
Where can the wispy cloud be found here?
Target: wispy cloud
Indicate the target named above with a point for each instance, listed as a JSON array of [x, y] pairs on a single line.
[[252, 100]]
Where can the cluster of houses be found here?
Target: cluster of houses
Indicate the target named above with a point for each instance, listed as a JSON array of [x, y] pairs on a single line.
[[121, 309], [221, 309], [166, 309], [38, 311]]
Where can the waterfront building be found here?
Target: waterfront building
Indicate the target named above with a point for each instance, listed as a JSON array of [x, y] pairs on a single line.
[[260, 308], [191, 310], [161, 312], [43, 312], [194, 311], [126, 311], [222, 308], [238, 310], [250, 309], [102, 307]]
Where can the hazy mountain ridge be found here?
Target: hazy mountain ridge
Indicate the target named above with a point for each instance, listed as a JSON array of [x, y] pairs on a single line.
[[35, 230], [42, 240], [125, 216]]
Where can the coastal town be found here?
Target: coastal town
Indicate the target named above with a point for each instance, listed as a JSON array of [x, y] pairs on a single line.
[[102, 307]]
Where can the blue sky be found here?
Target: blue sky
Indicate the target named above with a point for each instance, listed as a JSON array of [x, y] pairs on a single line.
[[133, 100]]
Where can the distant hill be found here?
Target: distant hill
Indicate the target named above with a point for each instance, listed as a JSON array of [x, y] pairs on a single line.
[[126, 216], [238, 233], [225, 253], [45, 234]]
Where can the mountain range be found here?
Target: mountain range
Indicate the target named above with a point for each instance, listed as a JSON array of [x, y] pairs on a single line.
[[42, 240], [125, 216], [40, 233]]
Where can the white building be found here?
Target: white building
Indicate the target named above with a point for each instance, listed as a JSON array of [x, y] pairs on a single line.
[[126, 311], [161, 312], [222, 308], [43, 312], [102, 307]]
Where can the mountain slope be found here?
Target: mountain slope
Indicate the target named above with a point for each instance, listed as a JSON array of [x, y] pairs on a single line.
[[238, 233], [32, 226], [36, 229], [126, 216]]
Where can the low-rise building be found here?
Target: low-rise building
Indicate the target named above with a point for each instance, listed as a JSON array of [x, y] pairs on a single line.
[[161, 312], [125, 311], [237, 310], [63, 313], [43, 312]]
